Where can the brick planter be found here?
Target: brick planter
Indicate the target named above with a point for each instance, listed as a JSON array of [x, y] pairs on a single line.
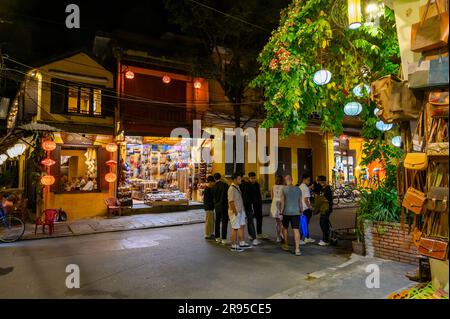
[[389, 241]]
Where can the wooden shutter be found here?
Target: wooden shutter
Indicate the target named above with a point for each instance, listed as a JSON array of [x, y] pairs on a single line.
[[55, 169], [58, 97], [102, 157]]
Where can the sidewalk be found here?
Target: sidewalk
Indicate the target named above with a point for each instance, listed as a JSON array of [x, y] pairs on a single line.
[[103, 225]]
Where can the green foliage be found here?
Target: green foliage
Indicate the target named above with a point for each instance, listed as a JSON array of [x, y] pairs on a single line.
[[306, 41]]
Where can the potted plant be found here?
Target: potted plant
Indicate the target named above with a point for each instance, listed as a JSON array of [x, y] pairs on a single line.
[[358, 244]]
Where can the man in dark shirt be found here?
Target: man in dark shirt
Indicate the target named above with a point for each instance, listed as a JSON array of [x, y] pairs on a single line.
[[322, 188], [220, 197], [208, 201], [251, 194]]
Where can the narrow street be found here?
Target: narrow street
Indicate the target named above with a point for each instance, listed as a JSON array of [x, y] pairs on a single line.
[[176, 262]]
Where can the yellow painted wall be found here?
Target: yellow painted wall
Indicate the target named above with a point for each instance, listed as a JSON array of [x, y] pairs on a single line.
[[79, 206]]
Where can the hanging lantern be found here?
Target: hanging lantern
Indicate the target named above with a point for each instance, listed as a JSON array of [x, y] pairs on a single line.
[[19, 149], [48, 162], [354, 14], [197, 84], [166, 79], [397, 141], [359, 91], [129, 75], [111, 147], [3, 158], [110, 177], [322, 77], [375, 111], [383, 126], [111, 163], [49, 145], [11, 152], [47, 180], [352, 108]]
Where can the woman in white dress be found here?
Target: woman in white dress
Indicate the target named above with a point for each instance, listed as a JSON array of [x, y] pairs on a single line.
[[276, 204]]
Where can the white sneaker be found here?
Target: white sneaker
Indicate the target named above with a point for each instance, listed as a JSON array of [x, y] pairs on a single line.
[[218, 240], [309, 240], [256, 242], [322, 243], [302, 242], [279, 239], [244, 245], [236, 248], [224, 242]]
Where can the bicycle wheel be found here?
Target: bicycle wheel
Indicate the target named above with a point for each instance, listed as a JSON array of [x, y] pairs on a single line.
[[11, 229], [348, 197]]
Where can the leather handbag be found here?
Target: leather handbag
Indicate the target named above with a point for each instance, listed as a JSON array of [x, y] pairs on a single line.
[[437, 149], [416, 161], [430, 32], [414, 201], [439, 104], [396, 102], [437, 199], [428, 73], [433, 248]]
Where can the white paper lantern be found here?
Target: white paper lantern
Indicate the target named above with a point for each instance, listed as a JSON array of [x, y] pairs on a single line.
[[376, 111], [3, 157], [397, 141], [322, 77], [352, 108], [359, 91], [383, 126], [20, 149]]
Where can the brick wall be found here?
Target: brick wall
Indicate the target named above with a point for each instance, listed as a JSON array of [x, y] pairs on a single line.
[[389, 241]]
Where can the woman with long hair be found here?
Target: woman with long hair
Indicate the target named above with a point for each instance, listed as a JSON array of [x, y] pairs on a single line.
[[275, 208]]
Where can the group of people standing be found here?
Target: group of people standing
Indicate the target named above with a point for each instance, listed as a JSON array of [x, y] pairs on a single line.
[[240, 204]]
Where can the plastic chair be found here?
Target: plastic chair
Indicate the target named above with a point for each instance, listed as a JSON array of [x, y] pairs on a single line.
[[48, 218]]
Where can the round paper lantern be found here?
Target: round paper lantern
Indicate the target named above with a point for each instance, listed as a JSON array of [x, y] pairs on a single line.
[[111, 163], [48, 145], [110, 177], [11, 152], [19, 149], [47, 180], [383, 126], [375, 111], [322, 77], [166, 79], [3, 158], [352, 108], [129, 75], [48, 162], [359, 91], [197, 84], [111, 147], [397, 141]]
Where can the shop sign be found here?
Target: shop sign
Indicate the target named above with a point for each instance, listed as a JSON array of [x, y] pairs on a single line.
[[78, 139]]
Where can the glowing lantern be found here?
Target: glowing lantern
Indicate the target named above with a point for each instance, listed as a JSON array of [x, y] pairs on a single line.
[[3, 158], [354, 14], [129, 75], [352, 108], [48, 162], [47, 180], [322, 77], [111, 163], [383, 126], [110, 177], [166, 79], [111, 147], [49, 145], [358, 90], [197, 84], [397, 141]]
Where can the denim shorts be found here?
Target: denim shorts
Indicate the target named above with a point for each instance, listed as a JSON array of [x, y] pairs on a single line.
[[237, 221]]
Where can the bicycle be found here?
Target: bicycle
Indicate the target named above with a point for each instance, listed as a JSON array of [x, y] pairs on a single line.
[[11, 227]]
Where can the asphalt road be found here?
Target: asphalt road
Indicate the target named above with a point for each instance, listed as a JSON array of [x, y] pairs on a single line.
[[173, 262]]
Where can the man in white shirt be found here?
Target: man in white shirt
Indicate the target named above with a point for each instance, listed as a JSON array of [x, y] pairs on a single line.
[[89, 185], [236, 212], [306, 204]]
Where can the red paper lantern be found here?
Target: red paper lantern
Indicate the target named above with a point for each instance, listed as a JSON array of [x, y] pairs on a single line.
[[111, 147], [111, 163], [48, 162], [110, 177], [49, 145], [197, 84], [48, 180], [129, 75]]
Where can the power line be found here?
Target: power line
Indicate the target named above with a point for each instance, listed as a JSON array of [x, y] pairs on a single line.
[[229, 15]]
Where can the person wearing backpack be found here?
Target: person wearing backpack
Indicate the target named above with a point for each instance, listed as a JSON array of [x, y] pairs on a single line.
[[323, 205]]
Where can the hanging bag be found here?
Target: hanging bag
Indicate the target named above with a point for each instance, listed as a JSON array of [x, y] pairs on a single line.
[[437, 199], [414, 201], [439, 104], [430, 32], [428, 73]]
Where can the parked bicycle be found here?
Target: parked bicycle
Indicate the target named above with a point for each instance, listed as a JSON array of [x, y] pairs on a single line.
[[11, 227], [345, 194]]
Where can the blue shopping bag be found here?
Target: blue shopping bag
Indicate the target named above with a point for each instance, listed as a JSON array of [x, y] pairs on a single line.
[[304, 226]]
